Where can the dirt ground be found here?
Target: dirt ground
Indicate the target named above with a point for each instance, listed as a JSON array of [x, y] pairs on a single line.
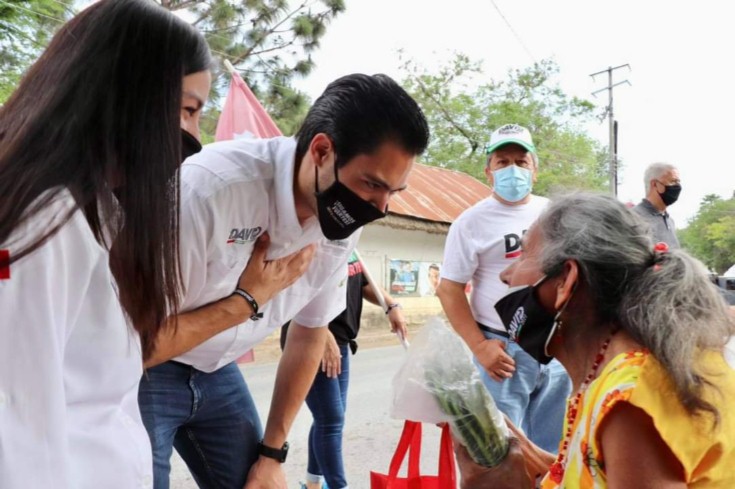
[[370, 337]]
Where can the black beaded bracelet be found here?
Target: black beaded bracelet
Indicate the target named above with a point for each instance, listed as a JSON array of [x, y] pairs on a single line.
[[250, 300], [391, 307]]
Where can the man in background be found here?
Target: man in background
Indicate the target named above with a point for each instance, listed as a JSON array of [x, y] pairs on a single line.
[[481, 243], [663, 187]]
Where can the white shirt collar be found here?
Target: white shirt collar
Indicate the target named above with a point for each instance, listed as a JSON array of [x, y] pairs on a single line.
[[283, 225]]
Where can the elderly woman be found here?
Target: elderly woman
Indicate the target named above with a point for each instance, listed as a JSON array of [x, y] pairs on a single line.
[[642, 332]]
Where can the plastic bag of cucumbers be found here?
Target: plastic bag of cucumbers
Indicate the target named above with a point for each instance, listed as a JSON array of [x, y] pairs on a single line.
[[438, 383]]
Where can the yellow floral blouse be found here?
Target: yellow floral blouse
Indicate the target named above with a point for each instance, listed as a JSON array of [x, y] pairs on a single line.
[[637, 377]]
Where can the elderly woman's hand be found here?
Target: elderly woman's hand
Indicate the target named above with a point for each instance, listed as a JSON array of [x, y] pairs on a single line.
[[510, 474], [537, 460]]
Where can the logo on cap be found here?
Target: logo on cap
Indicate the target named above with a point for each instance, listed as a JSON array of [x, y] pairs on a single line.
[[510, 134], [510, 129]]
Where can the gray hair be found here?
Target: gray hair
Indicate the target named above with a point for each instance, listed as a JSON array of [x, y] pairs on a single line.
[[665, 301], [656, 171], [534, 156]]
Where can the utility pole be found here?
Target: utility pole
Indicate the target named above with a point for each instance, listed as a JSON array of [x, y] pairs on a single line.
[[612, 146]]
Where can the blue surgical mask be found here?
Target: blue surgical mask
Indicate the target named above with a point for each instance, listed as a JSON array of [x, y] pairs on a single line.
[[513, 183]]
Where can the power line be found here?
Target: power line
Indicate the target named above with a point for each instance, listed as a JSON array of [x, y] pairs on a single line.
[[613, 136], [517, 36]]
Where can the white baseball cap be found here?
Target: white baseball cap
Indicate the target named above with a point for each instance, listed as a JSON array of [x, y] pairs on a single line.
[[510, 134]]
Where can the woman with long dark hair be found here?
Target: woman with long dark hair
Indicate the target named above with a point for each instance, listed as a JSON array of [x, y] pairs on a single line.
[[89, 147]]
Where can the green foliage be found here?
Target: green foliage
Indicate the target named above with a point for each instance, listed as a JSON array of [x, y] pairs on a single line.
[[25, 28], [269, 42], [463, 112], [286, 106], [710, 235]]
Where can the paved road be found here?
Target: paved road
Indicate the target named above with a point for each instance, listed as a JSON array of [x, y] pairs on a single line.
[[370, 434]]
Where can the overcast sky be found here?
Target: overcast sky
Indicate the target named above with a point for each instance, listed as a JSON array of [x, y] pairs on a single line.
[[680, 105]]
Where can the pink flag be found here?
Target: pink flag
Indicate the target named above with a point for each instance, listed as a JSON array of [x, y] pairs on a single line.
[[243, 116]]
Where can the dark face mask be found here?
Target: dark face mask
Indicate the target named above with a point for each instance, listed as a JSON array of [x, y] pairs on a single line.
[[189, 145], [671, 194], [341, 211], [527, 322]]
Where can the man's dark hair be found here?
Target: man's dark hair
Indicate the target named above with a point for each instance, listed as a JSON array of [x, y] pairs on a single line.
[[361, 112]]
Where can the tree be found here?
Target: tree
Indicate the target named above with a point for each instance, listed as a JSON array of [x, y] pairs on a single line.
[[710, 235], [462, 113], [25, 28], [269, 42]]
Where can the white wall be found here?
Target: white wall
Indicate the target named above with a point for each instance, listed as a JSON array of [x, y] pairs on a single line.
[[378, 245]]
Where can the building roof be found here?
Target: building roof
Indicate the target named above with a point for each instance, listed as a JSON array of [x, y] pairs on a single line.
[[437, 194]]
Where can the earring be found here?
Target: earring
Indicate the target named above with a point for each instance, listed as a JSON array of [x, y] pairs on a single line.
[[554, 333], [558, 327]]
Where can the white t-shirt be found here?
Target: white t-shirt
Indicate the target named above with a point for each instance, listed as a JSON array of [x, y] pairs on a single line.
[[232, 192], [481, 243], [69, 366]]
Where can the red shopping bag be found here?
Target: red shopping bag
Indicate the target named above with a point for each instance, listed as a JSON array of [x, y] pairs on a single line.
[[411, 442]]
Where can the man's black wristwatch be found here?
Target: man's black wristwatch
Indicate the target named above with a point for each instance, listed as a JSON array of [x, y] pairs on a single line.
[[274, 453]]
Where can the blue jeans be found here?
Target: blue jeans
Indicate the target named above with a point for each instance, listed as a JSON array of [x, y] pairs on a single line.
[[209, 417], [327, 401], [534, 398]]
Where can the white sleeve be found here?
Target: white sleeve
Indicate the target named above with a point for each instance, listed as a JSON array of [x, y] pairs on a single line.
[[460, 253], [195, 223], [329, 302], [39, 305]]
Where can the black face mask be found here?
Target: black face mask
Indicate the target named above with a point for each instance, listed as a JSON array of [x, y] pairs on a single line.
[[527, 322], [671, 194], [341, 211], [189, 145]]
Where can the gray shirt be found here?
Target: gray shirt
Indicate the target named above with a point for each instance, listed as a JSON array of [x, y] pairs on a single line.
[[662, 225]]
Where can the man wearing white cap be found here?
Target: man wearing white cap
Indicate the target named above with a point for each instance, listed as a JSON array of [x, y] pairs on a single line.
[[481, 243]]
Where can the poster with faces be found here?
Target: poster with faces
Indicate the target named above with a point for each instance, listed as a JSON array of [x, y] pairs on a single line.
[[410, 278]]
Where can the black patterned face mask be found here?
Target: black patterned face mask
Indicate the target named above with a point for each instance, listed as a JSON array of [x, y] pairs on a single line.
[[341, 211], [527, 322]]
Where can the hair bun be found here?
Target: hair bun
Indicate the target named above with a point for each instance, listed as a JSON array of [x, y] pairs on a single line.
[[660, 250]]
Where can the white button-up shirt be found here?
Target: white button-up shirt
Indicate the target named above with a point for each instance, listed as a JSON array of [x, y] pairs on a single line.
[[69, 366], [232, 192]]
